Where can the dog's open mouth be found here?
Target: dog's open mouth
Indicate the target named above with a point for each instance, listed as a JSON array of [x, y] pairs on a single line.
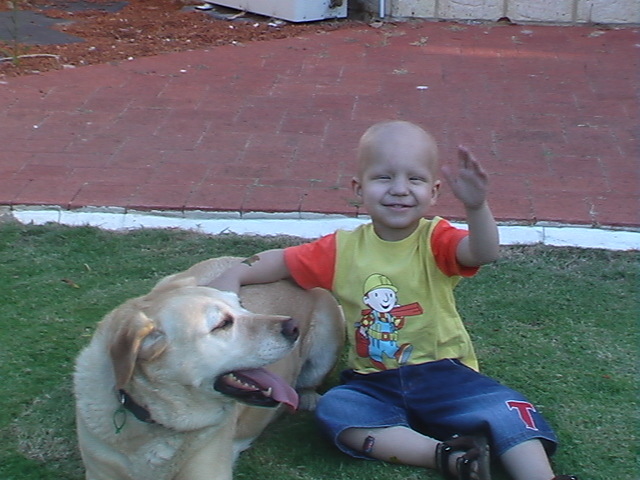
[[257, 387]]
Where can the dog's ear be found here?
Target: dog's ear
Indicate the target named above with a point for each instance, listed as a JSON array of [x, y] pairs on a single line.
[[152, 345], [136, 338]]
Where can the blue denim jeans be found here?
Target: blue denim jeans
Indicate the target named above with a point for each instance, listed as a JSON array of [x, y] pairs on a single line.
[[438, 399]]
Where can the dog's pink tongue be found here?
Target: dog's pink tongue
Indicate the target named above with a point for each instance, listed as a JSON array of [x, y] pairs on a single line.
[[281, 391]]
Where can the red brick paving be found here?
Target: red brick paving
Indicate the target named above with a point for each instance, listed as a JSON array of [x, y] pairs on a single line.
[[272, 126]]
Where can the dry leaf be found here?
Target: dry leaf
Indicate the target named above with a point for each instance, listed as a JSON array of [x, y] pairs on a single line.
[[71, 283]]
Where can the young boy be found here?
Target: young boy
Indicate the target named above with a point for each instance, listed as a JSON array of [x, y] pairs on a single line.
[[413, 372]]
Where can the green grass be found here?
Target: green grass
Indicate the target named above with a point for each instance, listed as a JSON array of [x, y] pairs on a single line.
[[560, 325]]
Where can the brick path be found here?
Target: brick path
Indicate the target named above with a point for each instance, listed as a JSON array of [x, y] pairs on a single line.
[[272, 126]]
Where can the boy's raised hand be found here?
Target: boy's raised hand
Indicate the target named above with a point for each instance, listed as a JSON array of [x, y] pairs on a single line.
[[469, 183]]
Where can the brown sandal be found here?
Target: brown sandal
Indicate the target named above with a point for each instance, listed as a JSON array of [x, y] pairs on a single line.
[[476, 450]]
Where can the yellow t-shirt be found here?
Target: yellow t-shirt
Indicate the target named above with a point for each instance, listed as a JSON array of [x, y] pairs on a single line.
[[398, 301]]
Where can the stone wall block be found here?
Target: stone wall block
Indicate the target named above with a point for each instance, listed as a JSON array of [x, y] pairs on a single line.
[[608, 11], [411, 8], [541, 11], [471, 9]]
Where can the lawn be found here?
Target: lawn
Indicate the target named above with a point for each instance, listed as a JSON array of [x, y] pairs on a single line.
[[559, 324]]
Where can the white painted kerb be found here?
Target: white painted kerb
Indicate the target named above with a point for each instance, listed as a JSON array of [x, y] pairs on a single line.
[[308, 226]]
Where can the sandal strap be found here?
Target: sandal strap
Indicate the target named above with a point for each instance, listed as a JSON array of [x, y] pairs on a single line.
[[443, 452], [463, 467], [473, 451]]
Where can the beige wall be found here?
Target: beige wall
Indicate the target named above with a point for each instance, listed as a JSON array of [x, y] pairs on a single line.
[[547, 11]]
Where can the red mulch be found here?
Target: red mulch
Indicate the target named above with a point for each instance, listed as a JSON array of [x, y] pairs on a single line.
[[142, 28]]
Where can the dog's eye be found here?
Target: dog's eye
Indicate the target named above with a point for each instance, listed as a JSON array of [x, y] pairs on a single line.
[[226, 322]]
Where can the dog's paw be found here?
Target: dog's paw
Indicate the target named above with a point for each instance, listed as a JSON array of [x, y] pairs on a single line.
[[308, 400]]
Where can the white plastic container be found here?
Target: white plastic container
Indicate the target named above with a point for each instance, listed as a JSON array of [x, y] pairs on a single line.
[[290, 10]]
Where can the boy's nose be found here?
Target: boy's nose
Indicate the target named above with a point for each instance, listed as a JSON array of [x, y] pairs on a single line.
[[400, 186]]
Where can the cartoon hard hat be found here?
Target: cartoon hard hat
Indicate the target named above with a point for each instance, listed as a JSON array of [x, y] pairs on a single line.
[[378, 280]]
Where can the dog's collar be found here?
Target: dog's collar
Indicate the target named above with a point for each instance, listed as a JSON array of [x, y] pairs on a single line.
[[138, 411]]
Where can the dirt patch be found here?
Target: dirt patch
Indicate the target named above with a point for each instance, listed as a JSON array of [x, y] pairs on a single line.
[[102, 31]]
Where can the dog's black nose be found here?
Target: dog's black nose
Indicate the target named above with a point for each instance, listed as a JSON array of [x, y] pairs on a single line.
[[290, 330]]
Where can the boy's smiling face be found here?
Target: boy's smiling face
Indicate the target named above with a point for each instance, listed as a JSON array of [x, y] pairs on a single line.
[[397, 179]]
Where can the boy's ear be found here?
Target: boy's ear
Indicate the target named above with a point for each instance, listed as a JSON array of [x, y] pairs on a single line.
[[435, 192], [356, 187]]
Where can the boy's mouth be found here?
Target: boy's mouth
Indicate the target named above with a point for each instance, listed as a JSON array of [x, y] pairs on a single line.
[[397, 206]]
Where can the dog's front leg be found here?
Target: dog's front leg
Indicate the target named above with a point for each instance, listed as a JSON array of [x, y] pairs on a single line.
[[213, 457]]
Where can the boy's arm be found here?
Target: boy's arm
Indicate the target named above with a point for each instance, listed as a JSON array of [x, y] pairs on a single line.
[[482, 245], [265, 267]]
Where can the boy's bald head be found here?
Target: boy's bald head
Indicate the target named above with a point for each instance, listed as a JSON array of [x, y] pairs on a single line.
[[397, 137]]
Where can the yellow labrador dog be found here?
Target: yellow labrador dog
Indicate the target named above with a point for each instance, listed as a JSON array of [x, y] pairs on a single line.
[[158, 388]]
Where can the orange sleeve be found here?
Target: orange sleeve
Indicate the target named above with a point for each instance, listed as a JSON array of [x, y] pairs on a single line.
[[444, 245], [313, 264]]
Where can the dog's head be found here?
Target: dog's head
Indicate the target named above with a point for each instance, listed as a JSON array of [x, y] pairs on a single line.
[[201, 340]]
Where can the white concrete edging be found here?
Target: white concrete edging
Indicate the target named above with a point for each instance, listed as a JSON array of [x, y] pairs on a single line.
[[307, 225]]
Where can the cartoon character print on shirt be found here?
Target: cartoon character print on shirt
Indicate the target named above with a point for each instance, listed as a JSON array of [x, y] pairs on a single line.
[[377, 329]]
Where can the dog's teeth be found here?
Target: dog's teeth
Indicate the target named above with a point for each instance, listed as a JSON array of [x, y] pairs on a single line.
[[268, 392], [240, 383]]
